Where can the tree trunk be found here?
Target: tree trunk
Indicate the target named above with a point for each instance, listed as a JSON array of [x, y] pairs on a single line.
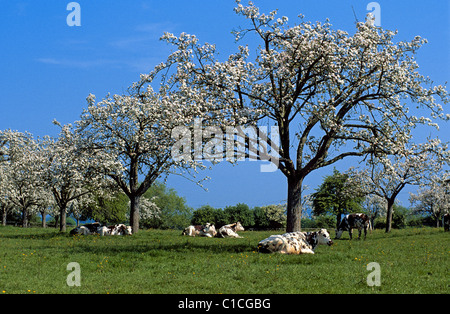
[[44, 223], [294, 204], [338, 219], [134, 213], [390, 203], [62, 220], [4, 215], [24, 217]]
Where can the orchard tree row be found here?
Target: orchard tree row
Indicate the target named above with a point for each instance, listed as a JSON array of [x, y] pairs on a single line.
[[331, 94]]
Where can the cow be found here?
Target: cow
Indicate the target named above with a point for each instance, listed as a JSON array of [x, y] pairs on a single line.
[[295, 242], [230, 231], [446, 219], [119, 229], [86, 229], [351, 221], [208, 230]]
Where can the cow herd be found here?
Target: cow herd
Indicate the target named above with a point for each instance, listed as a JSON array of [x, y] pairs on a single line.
[[96, 228], [287, 243], [208, 230]]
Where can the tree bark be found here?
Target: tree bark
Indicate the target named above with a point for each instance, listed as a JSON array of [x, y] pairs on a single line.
[[4, 216], [338, 219], [390, 210], [44, 223], [24, 217], [134, 213], [62, 219], [294, 204]]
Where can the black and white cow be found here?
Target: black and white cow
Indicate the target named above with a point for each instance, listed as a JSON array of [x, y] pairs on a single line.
[[119, 229], [446, 222], [295, 242], [86, 229], [352, 221]]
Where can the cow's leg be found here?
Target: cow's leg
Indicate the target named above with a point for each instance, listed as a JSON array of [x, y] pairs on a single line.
[[350, 231], [365, 232], [359, 233]]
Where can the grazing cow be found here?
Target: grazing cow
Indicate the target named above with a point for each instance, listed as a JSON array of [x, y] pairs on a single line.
[[351, 221], [208, 230], [86, 229], [230, 231], [295, 242], [446, 222]]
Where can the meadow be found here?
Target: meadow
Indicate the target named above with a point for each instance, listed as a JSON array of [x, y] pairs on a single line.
[[34, 261]]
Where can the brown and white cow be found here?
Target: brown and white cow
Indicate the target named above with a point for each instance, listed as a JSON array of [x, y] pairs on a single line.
[[295, 242], [230, 231], [352, 221], [208, 230]]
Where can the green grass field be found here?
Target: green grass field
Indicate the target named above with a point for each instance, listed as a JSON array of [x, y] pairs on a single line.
[[155, 261]]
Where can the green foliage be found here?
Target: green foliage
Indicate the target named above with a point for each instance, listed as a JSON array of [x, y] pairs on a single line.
[[399, 219], [336, 196], [240, 212], [270, 217], [108, 211], [174, 213], [203, 215], [267, 217], [325, 221]]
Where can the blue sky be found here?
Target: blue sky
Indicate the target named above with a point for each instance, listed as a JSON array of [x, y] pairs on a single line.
[[47, 69]]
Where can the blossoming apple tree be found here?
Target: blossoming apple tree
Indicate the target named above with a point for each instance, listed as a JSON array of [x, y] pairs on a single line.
[[433, 197], [332, 94], [387, 176], [133, 132], [21, 167], [68, 171]]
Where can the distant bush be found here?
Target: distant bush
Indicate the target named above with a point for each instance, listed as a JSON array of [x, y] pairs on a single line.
[[261, 218]]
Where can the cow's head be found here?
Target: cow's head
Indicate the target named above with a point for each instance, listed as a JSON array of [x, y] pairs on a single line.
[[339, 233], [211, 229], [323, 237], [239, 227], [128, 230]]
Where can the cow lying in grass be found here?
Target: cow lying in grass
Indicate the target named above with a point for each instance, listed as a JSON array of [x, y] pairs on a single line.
[[295, 242], [207, 230], [96, 228], [120, 229], [230, 231]]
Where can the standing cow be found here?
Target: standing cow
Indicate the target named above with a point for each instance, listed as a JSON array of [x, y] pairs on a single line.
[[352, 221]]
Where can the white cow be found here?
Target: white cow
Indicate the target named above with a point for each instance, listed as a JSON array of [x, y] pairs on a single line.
[[295, 242], [230, 231]]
